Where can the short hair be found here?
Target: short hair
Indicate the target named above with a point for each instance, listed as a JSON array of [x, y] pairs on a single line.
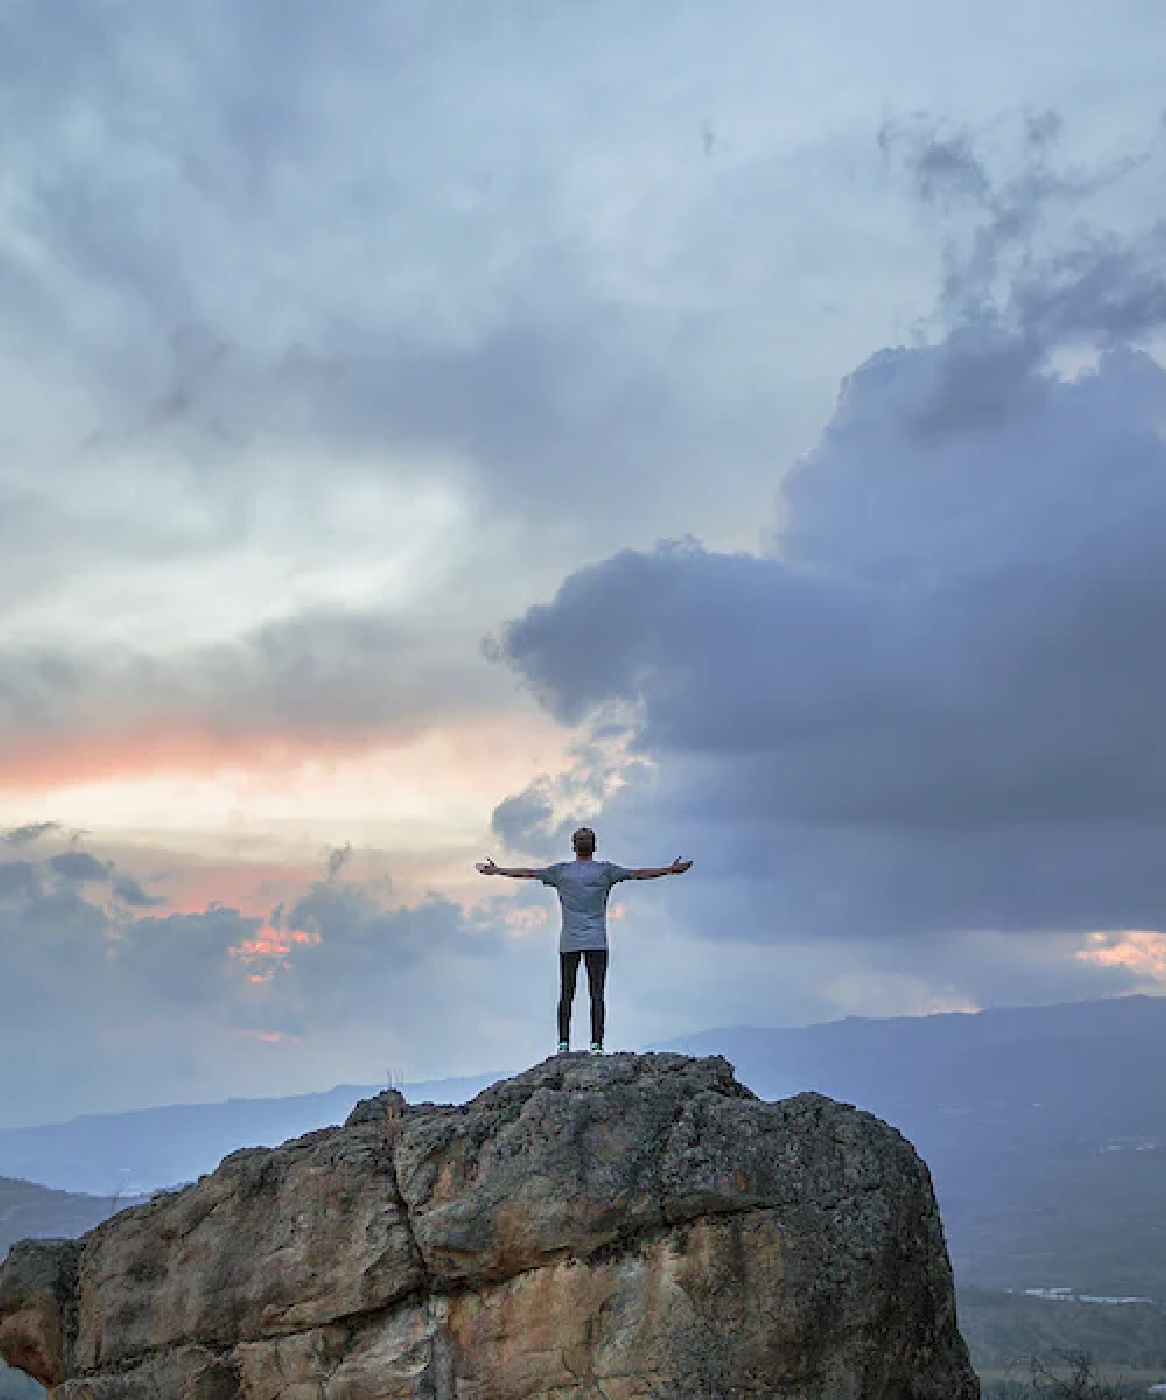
[[583, 837]]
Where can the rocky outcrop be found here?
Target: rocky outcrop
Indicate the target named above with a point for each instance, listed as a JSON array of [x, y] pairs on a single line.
[[632, 1226]]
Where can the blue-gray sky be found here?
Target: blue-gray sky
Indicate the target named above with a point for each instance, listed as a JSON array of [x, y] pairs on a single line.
[[430, 425]]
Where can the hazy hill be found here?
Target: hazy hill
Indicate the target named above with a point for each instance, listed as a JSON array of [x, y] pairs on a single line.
[[29, 1211], [155, 1147]]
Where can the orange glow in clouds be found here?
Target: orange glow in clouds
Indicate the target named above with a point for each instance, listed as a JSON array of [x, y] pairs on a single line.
[[1141, 950], [274, 944], [72, 761]]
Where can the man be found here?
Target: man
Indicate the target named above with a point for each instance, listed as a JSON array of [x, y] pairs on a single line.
[[583, 885]]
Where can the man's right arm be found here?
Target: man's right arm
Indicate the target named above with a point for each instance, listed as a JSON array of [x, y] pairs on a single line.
[[518, 872]]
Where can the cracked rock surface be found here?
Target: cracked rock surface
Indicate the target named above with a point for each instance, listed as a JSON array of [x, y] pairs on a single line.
[[631, 1226]]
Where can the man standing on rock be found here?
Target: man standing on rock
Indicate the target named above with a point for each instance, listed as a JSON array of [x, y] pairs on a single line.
[[583, 885]]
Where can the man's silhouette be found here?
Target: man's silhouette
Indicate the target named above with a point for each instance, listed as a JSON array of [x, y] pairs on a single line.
[[583, 885]]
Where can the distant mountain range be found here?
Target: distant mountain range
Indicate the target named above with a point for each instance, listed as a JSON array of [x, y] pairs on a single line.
[[1044, 1128], [28, 1211]]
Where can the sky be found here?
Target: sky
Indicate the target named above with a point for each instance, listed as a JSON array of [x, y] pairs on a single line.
[[430, 426]]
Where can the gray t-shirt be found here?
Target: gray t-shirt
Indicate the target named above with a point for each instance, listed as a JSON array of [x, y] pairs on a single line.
[[583, 887]]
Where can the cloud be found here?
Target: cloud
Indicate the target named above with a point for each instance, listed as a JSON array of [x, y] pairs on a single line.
[[564, 330], [29, 832], [79, 866], [31, 880], [131, 1006], [931, 712], [466, 312], [523, 822], [1140, 949], [129, 891], [1015, 291], [542, 817], [327, 679], [17, 879]]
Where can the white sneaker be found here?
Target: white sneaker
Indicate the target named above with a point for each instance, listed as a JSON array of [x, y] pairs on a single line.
[[596, 1048], [564, 1047]]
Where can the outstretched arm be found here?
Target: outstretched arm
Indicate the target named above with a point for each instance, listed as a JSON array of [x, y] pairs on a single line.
[[652, 872], [519, 872]]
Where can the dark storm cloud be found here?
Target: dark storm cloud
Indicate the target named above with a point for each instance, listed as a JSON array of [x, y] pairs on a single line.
[[29, 832], [130, 892], [52, 947], [523, 821], [945, 168], [938, 706], [183, 958], [338, 936], [1014, 292], [24, 880], [18, 879], [1106, 293], [79, 866]]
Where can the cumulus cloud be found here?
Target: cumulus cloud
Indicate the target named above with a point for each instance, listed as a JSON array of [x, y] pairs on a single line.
[[930, 711], [64, 870], [131, 1006]]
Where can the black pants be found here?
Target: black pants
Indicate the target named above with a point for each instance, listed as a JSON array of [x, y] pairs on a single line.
[[596, 976]]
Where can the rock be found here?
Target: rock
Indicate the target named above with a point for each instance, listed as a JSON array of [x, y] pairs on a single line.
[[182, 1373], [272, 1242], [636, 1225], [38, 1308]]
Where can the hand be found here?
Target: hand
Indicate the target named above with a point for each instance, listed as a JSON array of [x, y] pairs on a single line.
[[487, 867], [678, 866]]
